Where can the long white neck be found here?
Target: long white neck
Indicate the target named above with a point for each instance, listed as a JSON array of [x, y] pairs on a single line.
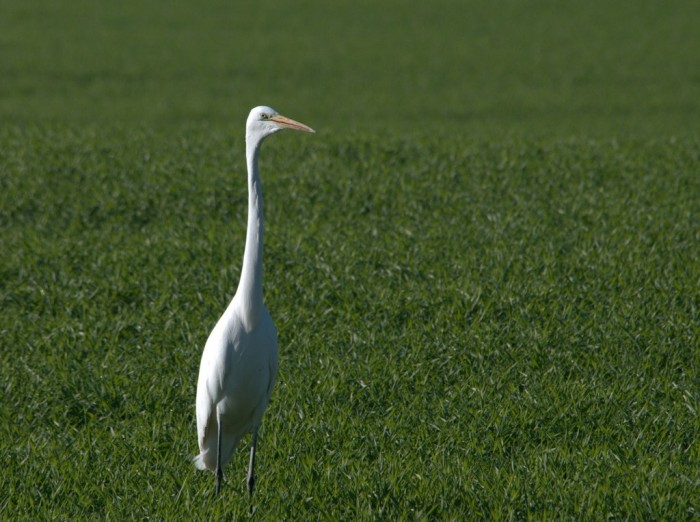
[[250, 288]]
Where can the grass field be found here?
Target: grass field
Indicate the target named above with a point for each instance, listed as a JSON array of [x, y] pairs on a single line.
[[484, 268]]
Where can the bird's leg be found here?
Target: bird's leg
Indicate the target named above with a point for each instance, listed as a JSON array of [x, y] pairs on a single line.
[[219, 472], [251, 467]]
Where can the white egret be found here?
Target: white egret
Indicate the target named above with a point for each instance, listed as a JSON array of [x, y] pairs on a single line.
[[239, 362]]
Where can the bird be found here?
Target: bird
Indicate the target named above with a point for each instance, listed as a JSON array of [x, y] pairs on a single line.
[[239, 363]]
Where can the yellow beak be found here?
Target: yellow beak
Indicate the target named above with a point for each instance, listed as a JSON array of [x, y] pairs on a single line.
[[289, 123]]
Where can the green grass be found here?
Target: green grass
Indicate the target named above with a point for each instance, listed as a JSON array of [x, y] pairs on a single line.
[[489, 330], [457, 66], [484, 268]]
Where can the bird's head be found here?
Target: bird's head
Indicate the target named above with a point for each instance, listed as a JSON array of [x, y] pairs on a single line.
[[263, 121]]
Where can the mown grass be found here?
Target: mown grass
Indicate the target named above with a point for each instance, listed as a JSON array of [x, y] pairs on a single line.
[[481, 330], [484, 267]]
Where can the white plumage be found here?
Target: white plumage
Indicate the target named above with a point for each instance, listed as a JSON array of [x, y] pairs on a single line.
[[239, 362]]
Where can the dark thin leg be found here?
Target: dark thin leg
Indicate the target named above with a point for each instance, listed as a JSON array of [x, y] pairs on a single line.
[[219, 472], [251, 467]]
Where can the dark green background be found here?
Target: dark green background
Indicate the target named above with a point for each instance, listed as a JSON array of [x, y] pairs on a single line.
[[627, 67]]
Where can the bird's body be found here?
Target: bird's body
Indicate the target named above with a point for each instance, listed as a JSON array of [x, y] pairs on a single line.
[[236, 376], [239, 362]]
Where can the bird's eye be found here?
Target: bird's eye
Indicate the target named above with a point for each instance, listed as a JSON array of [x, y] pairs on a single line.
[[264, 116]]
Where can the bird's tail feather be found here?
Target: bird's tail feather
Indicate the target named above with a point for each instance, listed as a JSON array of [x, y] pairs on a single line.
[[199, 462]]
